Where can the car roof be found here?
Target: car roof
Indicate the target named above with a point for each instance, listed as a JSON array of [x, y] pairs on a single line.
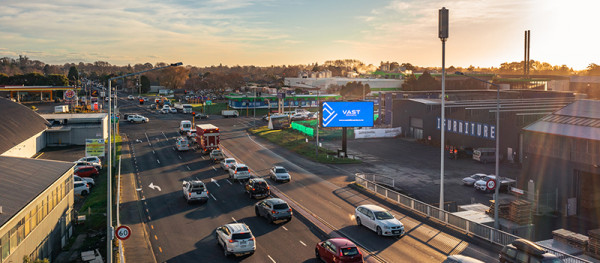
[[275, 201], [374, 208], [240, 165], [229, 159], [278, 167], [257, 180], [238, 228], [341, 242]]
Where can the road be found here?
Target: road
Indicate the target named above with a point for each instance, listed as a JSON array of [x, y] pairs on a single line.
[[182, 233]]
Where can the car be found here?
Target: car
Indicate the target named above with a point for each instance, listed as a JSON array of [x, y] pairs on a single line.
[[173, 110], [81, 188], [86, 171], [130, 97], [257, 187], [239, 171], [106, 99], [95, 160], [201, 116], [227, 162], [298, 117], [338, 250], [461, 259], [87, 180], [138, 119], [164, 111], [470, 180], [379, 220], [273, 209], [236, 239], [191, 134], [79, 164], [195, 190], [522, 250], [182, 144], [279, 174], [481, 185], [145, 99]]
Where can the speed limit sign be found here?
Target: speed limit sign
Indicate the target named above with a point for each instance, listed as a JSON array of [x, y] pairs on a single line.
[[491, 184], [123, 232]]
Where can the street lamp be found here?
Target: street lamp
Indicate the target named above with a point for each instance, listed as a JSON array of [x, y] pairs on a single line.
[[109, 227], [497, 133], [443, 35]]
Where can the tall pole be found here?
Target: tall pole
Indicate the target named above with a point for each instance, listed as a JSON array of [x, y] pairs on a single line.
[[108, 181], [318, 120], [443, 35], [498, 183], [254, 106]]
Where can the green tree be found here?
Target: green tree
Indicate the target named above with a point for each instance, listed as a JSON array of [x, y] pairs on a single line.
[[427, 82], [57, 80], [73, 75], [408, 66], [410, 83], [145, 82], [593, 69]]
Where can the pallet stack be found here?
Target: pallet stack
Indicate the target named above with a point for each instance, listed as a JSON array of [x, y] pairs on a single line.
[[561, 235], [579, 241], [520, 212], [503, 209], [594, 243]]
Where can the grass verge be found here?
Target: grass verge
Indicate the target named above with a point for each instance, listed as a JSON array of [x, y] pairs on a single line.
[[296, 142]]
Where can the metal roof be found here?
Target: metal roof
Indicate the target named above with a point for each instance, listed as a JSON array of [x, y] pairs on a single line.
[[19, 123], [580, 119], [75, 116], [23, 179], [582, 108]]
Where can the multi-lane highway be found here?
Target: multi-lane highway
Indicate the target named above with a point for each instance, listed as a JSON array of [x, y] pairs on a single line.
[[181, 233]]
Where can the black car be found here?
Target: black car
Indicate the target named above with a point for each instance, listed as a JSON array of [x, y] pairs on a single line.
[[201, 116], [257, 187], [273, 209], [522, 250]]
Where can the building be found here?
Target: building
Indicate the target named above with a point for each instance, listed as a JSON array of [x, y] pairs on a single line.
[[74, 128], [562, 157], [382, 85], [271, 101], [22, 131]]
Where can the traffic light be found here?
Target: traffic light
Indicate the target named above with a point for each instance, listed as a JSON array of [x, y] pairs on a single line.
[[141, 101], [193, 114]]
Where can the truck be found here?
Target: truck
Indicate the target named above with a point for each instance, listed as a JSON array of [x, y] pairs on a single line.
[[207, 137], [178, 106], [183, 108], [195, 190], [61, 109], [230, 113], [216, 156]]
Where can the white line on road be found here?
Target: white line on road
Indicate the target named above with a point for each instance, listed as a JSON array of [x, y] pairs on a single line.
[[153, 152], [213, 197], [165, 136], [234, 219], [271, 259], [203, 158], [179, 157], [302, 243], [215, 181], [149, 143], [284, 228], [157, 161], [214, 168], [229, 182]]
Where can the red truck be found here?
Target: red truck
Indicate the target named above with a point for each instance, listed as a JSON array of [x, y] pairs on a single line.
[[207, 137]]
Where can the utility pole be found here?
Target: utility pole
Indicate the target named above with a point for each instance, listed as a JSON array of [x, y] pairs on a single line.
[[443, 35]]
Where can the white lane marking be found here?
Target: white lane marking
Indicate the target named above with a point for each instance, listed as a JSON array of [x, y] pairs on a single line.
[[215, 181], [173, 148], [165, 136], [302, 243], [203, 158], [188, 168], [214, 168], [157, 161], [272, 260], [149, 143], [153, 152], [213, 197], [229, 182], [179, 157], [234, 219], [284, 228]]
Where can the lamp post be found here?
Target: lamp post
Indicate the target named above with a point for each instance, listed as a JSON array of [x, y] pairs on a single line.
[[443, 35], [497, 137], [109, 227], [318, 119]]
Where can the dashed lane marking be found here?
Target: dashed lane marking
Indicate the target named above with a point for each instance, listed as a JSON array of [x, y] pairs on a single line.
[[214, 168], [272, 260], [157, 161], [302, 243], [284, 228], [229, 182], [155, 237], [188, 168], [152, 226], [160, 249], [179, 157], [234, 219], [211, 195]]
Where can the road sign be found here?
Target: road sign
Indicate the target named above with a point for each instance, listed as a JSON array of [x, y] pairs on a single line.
[[94, 147], [123, 232], [491, 184], [94, 93], [347, 114]]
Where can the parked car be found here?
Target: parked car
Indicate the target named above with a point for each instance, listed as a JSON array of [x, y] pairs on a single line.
[[81, 188], [80, 164], [227, 163], [298, 117], [278, 173], [470, 180], [86, 180], [338, 250], [257, 187], [379, 220], [273, 209], [522, 250], [86, 171], [95, 160], [236, 239], [239, 172]]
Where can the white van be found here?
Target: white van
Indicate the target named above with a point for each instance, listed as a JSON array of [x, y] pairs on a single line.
[[185, 127], [485, 155]]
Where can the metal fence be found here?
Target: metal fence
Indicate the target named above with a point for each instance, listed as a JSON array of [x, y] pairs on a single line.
[[490, 234]]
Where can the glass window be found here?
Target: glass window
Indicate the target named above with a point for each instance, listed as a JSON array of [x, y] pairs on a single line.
[[349, 251], [522, 257], [280, 206], [27, 224], [13, 239], [5, 245], [510, 252], [33, 218], [241, 236], [383, 215]]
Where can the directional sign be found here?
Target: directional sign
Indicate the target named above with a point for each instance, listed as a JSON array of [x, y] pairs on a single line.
[[123, 232], [155, 187], [491, 184]]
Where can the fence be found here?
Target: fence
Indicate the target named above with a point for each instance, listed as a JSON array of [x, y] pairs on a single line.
[[445, 218]]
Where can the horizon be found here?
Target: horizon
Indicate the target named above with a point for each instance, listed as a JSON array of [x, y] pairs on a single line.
[[272, 33]]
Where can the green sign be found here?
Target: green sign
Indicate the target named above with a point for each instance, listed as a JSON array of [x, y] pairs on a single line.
[[209, 102]]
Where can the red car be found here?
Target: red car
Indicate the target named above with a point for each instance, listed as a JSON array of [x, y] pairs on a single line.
[[338, 250], [86, 171]]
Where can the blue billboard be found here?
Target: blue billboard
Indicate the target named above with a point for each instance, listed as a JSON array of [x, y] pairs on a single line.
[[347, 114]]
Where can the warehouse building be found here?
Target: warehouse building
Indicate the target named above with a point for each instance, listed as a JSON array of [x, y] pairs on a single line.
[[22, 130], [74, 129]]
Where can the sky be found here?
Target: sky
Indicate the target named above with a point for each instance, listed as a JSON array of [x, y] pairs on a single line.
[[483, 33]]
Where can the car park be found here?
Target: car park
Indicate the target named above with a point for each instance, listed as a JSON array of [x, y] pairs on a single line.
[[273, 209], [236, 239], [257, 187], [87, 180], [81, 188], [470, 180], [227, 163], [379, 220], [522, 250], [338, 250], [86, 171], [239, 171], [279, 174], [195, 190]]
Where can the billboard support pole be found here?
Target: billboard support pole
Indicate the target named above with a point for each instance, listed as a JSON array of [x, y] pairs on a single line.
[[344, 140]]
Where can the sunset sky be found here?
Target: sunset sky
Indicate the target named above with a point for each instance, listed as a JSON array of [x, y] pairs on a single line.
[[276, 32]]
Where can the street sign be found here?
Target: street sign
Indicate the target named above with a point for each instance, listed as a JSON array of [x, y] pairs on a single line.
[[94, 147], [95, 93], [123, 232], [209, 102], [491, 184], [347, 114], [69, 95]]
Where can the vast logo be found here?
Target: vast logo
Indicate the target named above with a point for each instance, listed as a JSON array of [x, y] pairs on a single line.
[[328, 115]]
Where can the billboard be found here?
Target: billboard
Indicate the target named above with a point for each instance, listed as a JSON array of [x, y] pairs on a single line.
[[347, 114], [94, 147]]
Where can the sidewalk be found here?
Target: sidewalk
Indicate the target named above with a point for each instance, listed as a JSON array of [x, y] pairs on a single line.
[[137, 248]]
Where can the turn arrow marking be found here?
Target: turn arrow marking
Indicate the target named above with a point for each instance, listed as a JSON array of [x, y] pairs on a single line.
[[155, 187]]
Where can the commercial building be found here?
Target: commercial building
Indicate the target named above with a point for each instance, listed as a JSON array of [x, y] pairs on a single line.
[[562, 157], [271, 101], [22, 130], [73, 129]]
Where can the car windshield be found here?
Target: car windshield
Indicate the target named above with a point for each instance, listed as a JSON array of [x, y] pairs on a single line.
[[349, 251], [280, 171], [475, 176], [242, 169], [383, 215], [230, 161], [280, 206], [241, 236]]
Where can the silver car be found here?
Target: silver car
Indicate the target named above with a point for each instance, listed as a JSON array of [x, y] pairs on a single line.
[[470, 180], [227, 163], [379, 220], [278, 173], [273, 209]]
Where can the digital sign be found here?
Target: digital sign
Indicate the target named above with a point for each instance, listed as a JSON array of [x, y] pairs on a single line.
[[347, 114]]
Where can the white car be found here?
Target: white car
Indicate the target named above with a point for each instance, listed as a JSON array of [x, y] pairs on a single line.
[[81, 188], [379, 220], [130, 97], [92, 159], [470, 180], [236, 239], [195, 190], [278, 173], [89, 181], [239, 171], [138, 118], [173, 110], [227, 163], [481, 185], [167, 109]]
